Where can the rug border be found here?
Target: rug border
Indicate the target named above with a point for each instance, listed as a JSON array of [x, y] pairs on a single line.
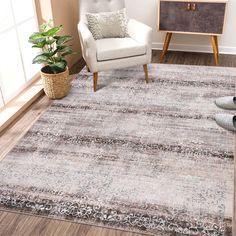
[[74, 222]]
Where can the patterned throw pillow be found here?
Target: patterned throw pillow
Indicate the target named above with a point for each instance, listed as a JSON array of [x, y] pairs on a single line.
[[108, 24]]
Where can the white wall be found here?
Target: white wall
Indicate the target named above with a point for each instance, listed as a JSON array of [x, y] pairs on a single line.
[[146, 11]]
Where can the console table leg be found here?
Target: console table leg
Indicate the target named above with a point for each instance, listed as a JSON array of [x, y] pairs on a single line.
[[166, 45], [214, 42], [217, 46]]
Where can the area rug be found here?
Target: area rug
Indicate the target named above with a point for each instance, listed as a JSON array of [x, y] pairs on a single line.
[[141, 157]]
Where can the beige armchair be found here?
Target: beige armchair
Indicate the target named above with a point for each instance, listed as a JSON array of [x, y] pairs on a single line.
[[113, 53]]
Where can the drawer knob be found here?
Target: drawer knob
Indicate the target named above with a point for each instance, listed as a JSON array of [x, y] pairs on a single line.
[[194, 7], [188, 6]]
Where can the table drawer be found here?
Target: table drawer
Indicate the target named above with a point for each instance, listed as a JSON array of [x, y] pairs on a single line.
[[192, 17]]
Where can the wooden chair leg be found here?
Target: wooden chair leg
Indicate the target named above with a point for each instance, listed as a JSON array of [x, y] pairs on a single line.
[[166, 46], [95, 80], [145, 68], [214, 42], [87, 68]]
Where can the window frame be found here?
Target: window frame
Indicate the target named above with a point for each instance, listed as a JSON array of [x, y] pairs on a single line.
[[15, 27]]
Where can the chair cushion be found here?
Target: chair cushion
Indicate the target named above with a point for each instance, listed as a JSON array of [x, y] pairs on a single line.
[[117, 48]]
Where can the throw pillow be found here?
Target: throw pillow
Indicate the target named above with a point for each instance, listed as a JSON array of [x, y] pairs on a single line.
[[108, 24]]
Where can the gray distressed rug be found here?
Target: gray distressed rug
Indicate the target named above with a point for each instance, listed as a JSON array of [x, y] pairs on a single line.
[[142, 157]]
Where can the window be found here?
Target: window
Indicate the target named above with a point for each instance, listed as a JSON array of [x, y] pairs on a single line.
[[17, 23]]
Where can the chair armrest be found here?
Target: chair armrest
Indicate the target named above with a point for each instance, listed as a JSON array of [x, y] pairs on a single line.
[[140, 32], [88, 45]]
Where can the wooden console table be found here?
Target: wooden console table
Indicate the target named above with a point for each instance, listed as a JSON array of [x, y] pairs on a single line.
[[204, 17]]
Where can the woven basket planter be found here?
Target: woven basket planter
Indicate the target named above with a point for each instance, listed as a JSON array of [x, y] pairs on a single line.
[[56, 85]]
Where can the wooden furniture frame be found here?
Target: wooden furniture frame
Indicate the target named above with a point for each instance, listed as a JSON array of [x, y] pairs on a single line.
[[192, 6]]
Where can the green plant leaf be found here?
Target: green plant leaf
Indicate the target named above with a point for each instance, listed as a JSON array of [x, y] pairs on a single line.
[[57, 59], [41, 59], [63, 39], [39, 45], [43, 27], [36, 35], [51, 41], [49, 54], [52, 31], [61, 48], [67, 51], [61, 64], [64, 50], [53, 47], [37, 38]]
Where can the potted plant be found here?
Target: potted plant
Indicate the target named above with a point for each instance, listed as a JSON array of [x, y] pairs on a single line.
[[54, 48]]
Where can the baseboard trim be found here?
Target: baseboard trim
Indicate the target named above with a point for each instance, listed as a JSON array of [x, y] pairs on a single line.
[[195, 48]]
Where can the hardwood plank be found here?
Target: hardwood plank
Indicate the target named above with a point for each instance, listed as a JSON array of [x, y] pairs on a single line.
[[194, 58], [17, 224], [9, 137]]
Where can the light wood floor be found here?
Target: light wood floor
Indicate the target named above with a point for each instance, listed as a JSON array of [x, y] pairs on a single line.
[[16, 224]]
